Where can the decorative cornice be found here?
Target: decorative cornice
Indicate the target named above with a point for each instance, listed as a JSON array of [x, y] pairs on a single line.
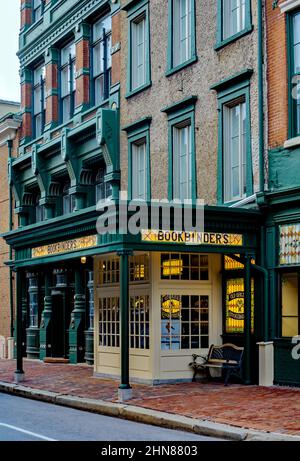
[[56, 32], [245, 74]]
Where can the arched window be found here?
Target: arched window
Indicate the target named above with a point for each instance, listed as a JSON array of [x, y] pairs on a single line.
[[103, 189], [68, 200]]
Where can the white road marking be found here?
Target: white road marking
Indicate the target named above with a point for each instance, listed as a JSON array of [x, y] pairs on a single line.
[[34, 434]]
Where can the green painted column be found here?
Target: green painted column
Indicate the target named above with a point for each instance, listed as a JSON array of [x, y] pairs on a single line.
[[247, 323], [125, 391], [19, 373], [77, 324], [46, 321], [89, 333], [33, 331]]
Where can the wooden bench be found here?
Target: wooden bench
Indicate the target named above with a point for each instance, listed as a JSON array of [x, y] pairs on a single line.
[[227, 357]]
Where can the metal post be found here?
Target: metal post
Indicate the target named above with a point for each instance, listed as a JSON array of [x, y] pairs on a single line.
[[247, 323], [125, 391], [19, 373]]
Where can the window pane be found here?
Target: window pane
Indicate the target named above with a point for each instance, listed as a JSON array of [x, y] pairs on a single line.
[[38, 125], [290, 304], [98, 59], [65, 81], [103, 23], [182, 27], [138, 53], [182, 160], [139, 171], [37, 100], [66, 52], [99, 89], [66, 108], [234, 13]]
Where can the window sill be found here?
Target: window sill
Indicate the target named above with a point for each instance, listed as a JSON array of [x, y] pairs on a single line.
[[293, 142], [181, 66], [233, 38], [138, 90]]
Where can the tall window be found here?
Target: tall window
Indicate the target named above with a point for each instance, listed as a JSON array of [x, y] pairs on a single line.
[[38, 7], [295, 73], [67, 81], [182, 31], [139, 170], [68, 200], [103, 189], [39, 210], [182, 161], [102, 59], [138, 51], [39, 100], [234, 14], [290, 305], [235, 151]]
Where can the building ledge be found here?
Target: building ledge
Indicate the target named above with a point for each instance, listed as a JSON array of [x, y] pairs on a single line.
[[289, 5], [293, 142]]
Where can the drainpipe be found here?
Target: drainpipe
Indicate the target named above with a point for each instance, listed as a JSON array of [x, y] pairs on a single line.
[[260, 68], [10, 225]]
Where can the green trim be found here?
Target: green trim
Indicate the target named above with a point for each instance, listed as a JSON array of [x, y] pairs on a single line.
[[134, 9], [225, 97], [136, 131], [177, 113], [190, 100], [221, 42], [232, 80], [170, 68]]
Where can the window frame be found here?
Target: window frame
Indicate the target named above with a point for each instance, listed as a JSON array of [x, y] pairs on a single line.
[[135, 132], [292, 104], [178, 113], [221, 41], [281, 274], [233, 89], [41, 6], [171, 68], [42, 113], [71, 65], [134, 12], [103, 40]]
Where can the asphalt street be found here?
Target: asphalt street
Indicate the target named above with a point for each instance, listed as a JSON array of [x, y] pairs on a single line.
[[29, 420]]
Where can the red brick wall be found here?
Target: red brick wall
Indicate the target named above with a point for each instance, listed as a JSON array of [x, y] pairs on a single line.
[[83, 81], [277, 76], [26, 14], [52, 100]]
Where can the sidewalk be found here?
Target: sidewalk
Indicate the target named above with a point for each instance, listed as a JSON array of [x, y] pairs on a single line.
[[246, 408]]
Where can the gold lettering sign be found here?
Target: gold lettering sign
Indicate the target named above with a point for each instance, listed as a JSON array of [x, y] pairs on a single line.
[[65, 247], [192, 238]]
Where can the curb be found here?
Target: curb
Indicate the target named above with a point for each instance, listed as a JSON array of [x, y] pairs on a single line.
[[144, 415]]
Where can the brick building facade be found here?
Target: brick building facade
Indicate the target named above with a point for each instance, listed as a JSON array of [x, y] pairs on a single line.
[[162, 100]]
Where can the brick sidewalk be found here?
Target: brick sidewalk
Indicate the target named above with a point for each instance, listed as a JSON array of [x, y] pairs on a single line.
[[275, 409]]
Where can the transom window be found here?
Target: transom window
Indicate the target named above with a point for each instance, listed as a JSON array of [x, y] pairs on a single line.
[[102, 59], [68, 81], [139, 169], [184, 322], [39, 100], [234, 15], [139, 266], [182, 31], [109, 270], [182, 161], [235, 150], [184, 266], [138, 51], [290, 307]]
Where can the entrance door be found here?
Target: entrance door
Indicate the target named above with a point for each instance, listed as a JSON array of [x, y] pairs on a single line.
[[59, 340]]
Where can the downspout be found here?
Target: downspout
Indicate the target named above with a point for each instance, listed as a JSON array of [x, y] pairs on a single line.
[[10, 225], [260, 68]]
